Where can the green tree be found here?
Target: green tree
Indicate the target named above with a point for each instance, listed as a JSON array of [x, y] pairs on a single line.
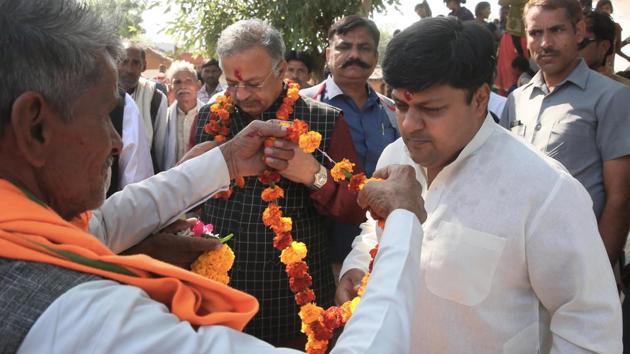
[[303, 23], [126, 14]]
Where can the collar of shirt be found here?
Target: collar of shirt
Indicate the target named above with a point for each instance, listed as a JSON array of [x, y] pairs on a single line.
[[332, 91], [192, 110], [578, 77]]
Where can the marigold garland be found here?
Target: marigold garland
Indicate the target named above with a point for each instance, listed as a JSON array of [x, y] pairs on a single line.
[[318, 324]]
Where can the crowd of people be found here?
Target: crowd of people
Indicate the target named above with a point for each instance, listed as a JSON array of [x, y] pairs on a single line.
[[505, 217]]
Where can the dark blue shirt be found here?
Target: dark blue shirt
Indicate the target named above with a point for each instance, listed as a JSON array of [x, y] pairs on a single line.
[[370, 127]]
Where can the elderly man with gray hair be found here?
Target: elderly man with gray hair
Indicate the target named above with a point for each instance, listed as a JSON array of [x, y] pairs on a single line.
[[172, 136], [61, 290], [251, 54]]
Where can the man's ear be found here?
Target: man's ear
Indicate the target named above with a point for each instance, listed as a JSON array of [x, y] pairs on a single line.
[[481, 98], [282, 68], [30, 120], [580, 31]]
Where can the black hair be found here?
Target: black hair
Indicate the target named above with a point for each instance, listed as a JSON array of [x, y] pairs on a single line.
[[521, 63], [348, 23], [481, 6], [300, 56], [460, 1], [603, 27], [211, 62], [601, 3], [425, 6], [440, 50]]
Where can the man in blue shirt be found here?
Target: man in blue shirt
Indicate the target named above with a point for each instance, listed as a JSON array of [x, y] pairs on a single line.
[[351, 56]]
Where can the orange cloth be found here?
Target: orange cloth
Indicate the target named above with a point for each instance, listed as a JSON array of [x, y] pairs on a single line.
[[26, 225], [507, 53]]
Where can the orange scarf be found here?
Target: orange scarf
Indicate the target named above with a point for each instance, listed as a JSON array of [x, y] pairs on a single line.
[[31, 232]]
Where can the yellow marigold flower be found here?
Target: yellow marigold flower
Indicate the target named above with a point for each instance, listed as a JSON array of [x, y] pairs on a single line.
[[310, 141], [215, 107], [295, 253], [282, 225], [340, 169], [346, 311], [364, 282], [215, 264], [293, 94], [310, 313], [354, 303]]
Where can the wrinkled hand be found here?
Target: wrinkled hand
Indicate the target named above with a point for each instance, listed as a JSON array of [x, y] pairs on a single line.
[[348, 286], [399, 190], [180, 251], [243, 153], [299, 166], [197, 150]]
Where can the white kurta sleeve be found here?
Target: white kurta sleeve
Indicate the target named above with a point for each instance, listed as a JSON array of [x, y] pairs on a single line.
[[382, 322], [135, 158], [140, 209], [359, 257], [107, 317], [576, 284]]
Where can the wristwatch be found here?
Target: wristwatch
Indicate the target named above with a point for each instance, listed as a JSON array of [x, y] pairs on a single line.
[[321, 177]]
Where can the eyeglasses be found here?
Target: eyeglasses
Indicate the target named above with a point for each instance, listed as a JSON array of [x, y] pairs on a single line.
[[250, 87], [585, 42]]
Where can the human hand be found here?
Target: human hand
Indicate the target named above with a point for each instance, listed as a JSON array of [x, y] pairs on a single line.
[[180, 251], [243, 153], [179, 225], [399, 190], [348, 286], [300, 166], [197, 150]]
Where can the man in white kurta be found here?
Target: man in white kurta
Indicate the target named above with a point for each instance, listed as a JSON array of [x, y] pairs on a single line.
[[511, 261]]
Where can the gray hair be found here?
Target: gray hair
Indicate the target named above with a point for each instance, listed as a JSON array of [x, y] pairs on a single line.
[[54, 47], [246, 34], [178, 66]]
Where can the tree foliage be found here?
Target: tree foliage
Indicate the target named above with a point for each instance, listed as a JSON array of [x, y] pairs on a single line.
[[303, 23], [126, 14]]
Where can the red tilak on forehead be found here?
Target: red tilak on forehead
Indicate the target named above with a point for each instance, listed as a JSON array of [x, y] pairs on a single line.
[[237, 73], [408, 95]]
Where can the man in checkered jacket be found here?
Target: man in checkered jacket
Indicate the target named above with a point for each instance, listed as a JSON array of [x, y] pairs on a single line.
[[251, 54]]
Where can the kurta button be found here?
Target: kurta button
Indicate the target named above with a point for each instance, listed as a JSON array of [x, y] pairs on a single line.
[[538, 126]]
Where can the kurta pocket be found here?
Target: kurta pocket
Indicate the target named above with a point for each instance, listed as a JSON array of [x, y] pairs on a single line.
[[462, 263]]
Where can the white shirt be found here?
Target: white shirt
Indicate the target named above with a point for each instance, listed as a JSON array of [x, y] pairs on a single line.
[[107, 317], [512, 261], [496, 104], [134, 160]]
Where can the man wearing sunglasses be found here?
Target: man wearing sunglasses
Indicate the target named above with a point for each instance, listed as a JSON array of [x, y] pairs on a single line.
[[598, 44], [251, 54]]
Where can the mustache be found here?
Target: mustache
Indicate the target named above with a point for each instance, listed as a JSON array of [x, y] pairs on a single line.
[[547, 51], [358, 62]]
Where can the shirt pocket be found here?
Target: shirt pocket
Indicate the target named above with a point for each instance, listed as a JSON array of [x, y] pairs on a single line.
[[462, 263]]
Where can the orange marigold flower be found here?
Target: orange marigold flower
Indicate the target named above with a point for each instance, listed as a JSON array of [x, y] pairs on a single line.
[[282, 113], [215, 264], [272, 193], [282, 241], [223, 194], [320, 331], [271, 214], [310, 141], [346, 311], [295, 253], [224, 131], [267, 177], [240, 181], [310, 313], [341, 169], [269, 141], [357, 182], [332, 317], [373, 252], [219, 138], [316, 347], [297, 284], [297, 269], [304, 297], [282, 225]]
